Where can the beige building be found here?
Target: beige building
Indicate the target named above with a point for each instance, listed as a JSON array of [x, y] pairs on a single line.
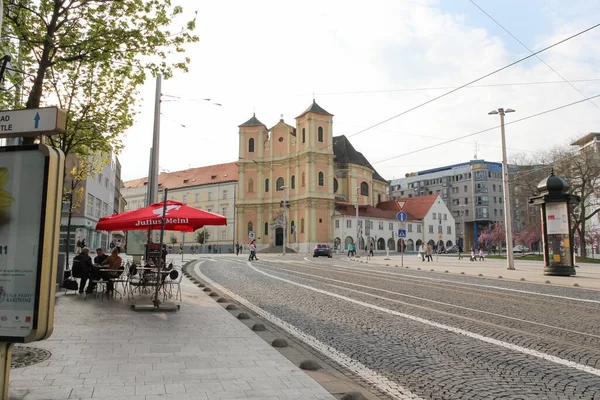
[[212, 188], [305, 165]]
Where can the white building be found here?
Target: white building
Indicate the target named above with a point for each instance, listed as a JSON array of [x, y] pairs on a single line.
[[429, 221]]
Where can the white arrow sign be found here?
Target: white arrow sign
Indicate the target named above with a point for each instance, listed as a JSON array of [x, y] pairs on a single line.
[[34, 122]]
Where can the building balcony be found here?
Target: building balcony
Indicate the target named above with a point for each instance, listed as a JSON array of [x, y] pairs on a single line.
[[481, 190]]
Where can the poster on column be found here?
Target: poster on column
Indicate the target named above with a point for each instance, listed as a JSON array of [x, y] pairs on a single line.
[[557, 218], [22, 199]]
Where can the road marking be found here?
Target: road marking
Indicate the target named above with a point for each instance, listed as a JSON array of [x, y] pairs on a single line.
[[471, 284], [506, 345], [428, 300], [380, 382]]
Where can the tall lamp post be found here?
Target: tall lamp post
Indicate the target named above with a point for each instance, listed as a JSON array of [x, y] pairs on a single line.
[[510, 262], [285, 206], [462, 223]]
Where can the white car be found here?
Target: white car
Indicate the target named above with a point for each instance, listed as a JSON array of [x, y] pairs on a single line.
[[520, 249]]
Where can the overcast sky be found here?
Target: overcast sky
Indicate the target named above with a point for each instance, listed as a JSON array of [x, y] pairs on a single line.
[[359, 59]]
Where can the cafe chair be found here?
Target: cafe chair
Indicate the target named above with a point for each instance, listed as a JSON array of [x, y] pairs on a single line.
[[173, 279]]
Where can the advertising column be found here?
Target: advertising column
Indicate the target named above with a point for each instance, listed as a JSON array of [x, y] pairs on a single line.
[[557, 226]]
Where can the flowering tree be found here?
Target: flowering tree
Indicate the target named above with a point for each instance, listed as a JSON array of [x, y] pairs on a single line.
[[529, 235]]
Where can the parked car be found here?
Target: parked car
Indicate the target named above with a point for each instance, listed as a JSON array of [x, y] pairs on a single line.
[[453, 249], [322, 250], [520, 249]]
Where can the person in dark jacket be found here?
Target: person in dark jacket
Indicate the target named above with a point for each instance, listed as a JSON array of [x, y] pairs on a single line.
[[85, 262], [100, 256]]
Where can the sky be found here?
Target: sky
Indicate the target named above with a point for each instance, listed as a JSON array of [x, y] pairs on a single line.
[[362, 61]]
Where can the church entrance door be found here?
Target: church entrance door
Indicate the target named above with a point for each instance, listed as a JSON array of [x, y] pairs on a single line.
[[279, 237]]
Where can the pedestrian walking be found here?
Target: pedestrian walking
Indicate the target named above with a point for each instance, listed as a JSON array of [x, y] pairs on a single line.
[[481, 258], [422, 252], [371, 250], [237, 248], [473, 258], [429, 253], [459, 252], [349, 249]]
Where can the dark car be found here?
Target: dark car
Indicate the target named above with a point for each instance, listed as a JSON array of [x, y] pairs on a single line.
[[322, 250]]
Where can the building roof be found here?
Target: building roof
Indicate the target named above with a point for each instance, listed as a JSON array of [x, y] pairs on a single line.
[[218, 173], [586, 139], [365, 211], [346, 153], [315, 108], [252, 122], [417, 207]]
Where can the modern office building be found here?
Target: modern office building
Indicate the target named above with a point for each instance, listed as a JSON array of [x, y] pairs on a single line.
[[472, 191]]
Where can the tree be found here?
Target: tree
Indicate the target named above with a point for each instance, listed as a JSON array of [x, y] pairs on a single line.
[[173, 239], [530, 235], [59, 37], [73, 192], [202, 236], [581, 169]]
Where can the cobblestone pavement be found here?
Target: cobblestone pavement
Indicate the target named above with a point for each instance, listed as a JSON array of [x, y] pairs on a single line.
[[433, 336]]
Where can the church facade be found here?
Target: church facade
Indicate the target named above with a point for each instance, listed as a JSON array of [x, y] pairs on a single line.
[[305, 168]]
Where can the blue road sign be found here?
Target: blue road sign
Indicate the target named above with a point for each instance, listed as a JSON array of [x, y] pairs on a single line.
[[401, 216], [401, 233]]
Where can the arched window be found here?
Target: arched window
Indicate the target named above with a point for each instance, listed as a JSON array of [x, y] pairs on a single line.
[[292, 228], [250, 186], [364, 189], [251, 145], [293, 181], [303, 135], [266, 228], [379, 198], [335, 185], [249, 227], [321, 179], [303, 180], [266, 185], [302, 225], [279, 184], [320, 134]]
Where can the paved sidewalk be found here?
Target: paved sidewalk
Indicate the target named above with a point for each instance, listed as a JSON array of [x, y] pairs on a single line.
[[104, 350], [588, 275]]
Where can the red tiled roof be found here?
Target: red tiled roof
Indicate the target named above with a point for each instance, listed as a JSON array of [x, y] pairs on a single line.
[[192, 177], [364, 211], [417, 207]]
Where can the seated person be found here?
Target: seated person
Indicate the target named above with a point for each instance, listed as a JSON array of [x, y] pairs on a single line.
[[100, 256], [112, 262], [84, 262]]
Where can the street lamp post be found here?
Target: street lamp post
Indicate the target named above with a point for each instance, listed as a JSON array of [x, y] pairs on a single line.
[[462, 223], [510, 263]]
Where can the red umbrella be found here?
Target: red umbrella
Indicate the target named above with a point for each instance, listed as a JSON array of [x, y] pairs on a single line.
[[178, 217]]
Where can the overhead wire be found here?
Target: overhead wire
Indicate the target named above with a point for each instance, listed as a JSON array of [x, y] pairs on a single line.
[[486, 130], [475, 80], [531, 51]]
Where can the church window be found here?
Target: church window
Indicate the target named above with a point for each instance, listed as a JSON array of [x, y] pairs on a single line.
[[320, 134], [335, 185], [364, 189], [266, 228], [302, 225], [292, 228], [321, 179], [303, 180], [250, 186], [279, 184], [266, 185], [251, 145], [293, 181], [249, 227], [303, 135]]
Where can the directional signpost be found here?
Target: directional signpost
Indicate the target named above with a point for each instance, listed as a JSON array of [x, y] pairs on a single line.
[[34, 122], [402, 217]]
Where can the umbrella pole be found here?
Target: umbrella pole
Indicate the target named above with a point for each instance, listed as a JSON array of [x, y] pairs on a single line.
[[162, 234]]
